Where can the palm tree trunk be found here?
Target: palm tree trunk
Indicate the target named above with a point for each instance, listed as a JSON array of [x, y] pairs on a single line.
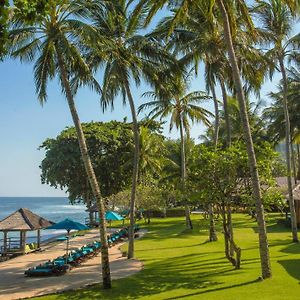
[[212, 228], [89, 170], [188, 221], [226, 113], [288, 151], [88, 202], [217, 116], [293, 162], [298, 160], [262, 232], [135, 172]]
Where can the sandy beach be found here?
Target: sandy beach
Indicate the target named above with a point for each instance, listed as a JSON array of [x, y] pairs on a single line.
[[15, 285]]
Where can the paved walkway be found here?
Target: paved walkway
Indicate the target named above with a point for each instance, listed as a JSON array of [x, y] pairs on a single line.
[[14, 285]]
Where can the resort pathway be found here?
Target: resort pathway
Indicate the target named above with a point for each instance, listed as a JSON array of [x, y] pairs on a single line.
[[14, 285]]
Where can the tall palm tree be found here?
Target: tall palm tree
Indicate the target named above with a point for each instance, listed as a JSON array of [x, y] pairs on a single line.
[[182, 108], [152, 154], [219, 9], [53, 42], [127, 57], [275, 117], [276, 22]]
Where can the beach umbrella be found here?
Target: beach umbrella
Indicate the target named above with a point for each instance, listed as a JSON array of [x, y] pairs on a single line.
[[113, 216], [68, 225]]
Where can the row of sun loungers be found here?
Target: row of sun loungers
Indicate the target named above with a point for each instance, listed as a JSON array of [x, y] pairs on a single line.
[[62, 264]]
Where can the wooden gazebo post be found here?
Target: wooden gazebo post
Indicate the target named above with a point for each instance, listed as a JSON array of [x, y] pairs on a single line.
[[5, 241], [23, 241], [38, 238]]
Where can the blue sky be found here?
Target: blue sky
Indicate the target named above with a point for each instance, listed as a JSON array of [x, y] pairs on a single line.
[[25, 124]]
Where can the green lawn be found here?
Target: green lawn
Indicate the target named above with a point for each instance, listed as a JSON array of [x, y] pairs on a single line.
[[180, 264]]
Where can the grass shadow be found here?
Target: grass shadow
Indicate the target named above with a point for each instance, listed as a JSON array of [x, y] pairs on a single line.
[[292, 248], [292, 267]]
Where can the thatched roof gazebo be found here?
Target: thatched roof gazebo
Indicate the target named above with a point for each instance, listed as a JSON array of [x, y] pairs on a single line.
[[22, 220]]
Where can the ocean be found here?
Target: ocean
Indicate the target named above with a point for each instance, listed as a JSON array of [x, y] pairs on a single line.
[[52, 208]]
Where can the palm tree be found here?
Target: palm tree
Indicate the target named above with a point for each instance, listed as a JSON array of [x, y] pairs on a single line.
[[127, 56], [275, 117], [276, 21], [216, 9], [182, 108], [152, 154], [53, 41]]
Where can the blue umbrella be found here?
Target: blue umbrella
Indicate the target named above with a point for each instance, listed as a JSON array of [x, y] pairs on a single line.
[[113, 216], [68, 225]]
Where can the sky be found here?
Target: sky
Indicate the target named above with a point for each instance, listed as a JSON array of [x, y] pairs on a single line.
[[25, 124]]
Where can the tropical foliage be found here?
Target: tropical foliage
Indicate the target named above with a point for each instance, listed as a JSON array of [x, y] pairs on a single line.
[[231, 47]]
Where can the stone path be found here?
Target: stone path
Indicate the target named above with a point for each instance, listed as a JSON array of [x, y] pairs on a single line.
[[14, 285]]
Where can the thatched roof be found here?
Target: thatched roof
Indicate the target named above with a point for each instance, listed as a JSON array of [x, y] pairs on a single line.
[[296, 194], [282, 182], [23, 220]]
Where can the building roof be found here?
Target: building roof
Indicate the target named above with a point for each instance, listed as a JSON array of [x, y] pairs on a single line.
[[23, 220], [282, 182]]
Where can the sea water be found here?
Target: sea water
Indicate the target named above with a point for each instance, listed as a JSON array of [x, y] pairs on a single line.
[[54, 209]]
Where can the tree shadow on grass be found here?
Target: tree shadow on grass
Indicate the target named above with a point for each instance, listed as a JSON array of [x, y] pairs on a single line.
[[182, 272], [274, 228], [292, 248], [292, 267], [216, 289]]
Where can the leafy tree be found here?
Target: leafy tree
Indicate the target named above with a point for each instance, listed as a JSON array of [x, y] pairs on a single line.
[[3, 25], [215, 178], [32, 11], [229, 181], [110, 147], [54, 42], [149, 197]]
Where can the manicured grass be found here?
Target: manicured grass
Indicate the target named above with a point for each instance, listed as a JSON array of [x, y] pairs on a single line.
[[180, 264]]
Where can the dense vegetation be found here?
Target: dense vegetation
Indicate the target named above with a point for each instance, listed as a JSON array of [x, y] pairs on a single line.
[[240, 44]]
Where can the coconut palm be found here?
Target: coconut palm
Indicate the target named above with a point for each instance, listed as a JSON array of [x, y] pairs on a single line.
[[234, 9], [276, 21], [275, 117], [182, 108], [127, 57], [152, 154], [53, 43]]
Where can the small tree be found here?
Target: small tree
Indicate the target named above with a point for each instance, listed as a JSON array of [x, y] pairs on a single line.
[[222, 177]]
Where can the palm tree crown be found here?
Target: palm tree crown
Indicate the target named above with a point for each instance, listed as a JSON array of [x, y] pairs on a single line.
[[182, 107]]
